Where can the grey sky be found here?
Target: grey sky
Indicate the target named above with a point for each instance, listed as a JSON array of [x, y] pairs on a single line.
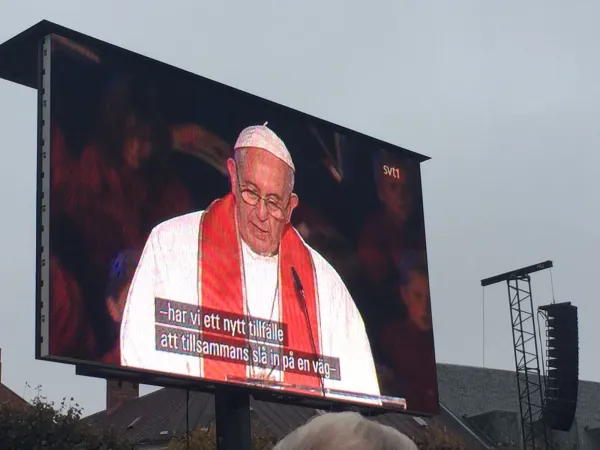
[[504, 96]]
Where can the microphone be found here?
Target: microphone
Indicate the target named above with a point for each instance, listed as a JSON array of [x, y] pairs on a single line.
[[298, 283], [299, 288]]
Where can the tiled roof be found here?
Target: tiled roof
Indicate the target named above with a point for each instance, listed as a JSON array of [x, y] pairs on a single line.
[[472, 390], [281, 419], [464, 391], [161, 415], [9, 397]]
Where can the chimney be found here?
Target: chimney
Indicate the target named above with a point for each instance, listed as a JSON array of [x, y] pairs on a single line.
[[119, 392]]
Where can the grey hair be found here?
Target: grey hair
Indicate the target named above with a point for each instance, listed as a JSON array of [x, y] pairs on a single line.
[[240, 157], [347, 431]]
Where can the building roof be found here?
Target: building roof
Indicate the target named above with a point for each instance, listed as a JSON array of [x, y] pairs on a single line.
[[9, 398], [465, 394], [158, 416], [161, 415], [469, 391]]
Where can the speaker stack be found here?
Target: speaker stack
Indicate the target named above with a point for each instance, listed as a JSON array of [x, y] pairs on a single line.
[[562, 361]]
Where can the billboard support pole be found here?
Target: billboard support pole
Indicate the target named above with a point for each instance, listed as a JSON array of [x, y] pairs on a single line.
[[232, 418]]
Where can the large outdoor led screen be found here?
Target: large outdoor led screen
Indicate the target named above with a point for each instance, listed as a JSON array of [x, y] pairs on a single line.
[[196, 231]]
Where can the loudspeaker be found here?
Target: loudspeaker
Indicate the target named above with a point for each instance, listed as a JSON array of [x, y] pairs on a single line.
[[562, 377]]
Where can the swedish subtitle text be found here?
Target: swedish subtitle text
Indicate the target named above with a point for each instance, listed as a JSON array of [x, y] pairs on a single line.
[[185, 315], [188, 330]]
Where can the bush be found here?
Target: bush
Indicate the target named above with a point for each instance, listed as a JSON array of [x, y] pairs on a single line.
[[205, 439], [43, 426], [438, 440]]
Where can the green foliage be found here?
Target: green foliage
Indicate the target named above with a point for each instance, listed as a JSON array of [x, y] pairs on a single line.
[[42, 426], [438, 440], [205, 439]]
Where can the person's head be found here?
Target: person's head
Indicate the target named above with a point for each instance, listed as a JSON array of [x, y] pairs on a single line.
[[415, 294], [119, 281], [347, 431], [392, 187], [137, 142], [115, 304], [262, 181], [130, 125]]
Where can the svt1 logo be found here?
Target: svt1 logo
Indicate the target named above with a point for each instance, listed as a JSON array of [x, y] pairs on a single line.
[[393, 172]]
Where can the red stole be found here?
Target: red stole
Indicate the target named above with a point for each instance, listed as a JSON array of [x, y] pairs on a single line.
[[220, 287]]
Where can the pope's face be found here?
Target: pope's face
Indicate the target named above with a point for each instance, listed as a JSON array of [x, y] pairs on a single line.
[[416, 298], [261, 185]]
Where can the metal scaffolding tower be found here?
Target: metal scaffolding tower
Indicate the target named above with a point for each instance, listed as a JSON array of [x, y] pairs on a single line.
[[527, 365]]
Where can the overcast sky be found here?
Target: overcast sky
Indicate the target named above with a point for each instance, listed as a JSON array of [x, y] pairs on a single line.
[[504, 96]]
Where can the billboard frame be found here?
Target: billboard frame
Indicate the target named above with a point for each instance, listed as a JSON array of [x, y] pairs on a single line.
[[16, 65], [43, 214], [25, 60]]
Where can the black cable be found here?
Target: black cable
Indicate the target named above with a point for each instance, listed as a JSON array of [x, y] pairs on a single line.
[[552, 285], [542, 341], [483, 325]]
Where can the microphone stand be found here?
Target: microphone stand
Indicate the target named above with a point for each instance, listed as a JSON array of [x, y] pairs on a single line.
[[298, 285]]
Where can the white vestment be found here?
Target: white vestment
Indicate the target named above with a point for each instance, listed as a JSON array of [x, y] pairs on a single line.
[[168, 270]]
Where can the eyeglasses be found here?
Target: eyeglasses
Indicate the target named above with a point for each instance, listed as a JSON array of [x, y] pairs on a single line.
[[252, 198]]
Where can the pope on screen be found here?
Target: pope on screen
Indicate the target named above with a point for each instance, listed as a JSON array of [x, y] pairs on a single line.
[[241, 255]]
